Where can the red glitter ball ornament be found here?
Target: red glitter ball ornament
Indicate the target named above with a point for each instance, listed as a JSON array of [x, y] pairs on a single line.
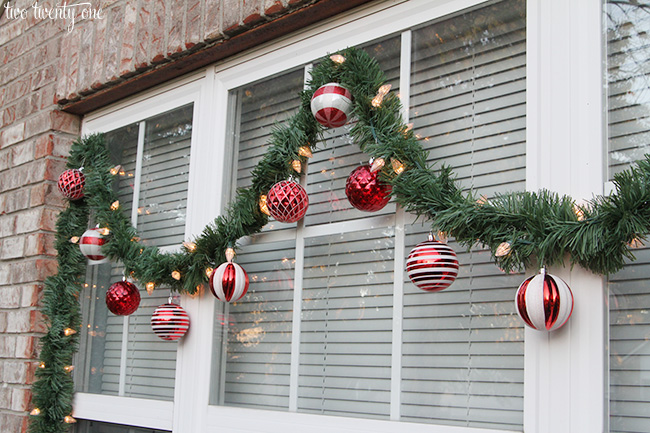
[[170, 322], [122, 298], [287, 201], [71, 184], [364, 190]]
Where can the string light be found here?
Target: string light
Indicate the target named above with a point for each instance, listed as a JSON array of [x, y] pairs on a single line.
[[305, 151], [637, 242], [482, 200], [579, 213], [115, 170], [176, 275], [441, 236], [135, 239], [230, 254], [263, 207], [69, 419], [503, 249], [104, 231], [296, 165], [68, 368], [69, 331], [398, 167], [190, 246], [115, 205], [377, 164], [337, 58], [150, 286], [74, 239], [41, 364], [209, 271], [383, 91], [35, 412]]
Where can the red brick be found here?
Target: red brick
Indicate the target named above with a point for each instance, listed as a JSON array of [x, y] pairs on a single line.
[[29, 221], [18, 89], [48, 220], [37, 124], [85, 58], [65, 122], [48, 98], [31, 295], [116, 18], [14, 372], [3, 320], [53, 168], [20, 400], [193, 24], [18, 321], [97, 76], [10, 296], [12, 248], [175, 34], [158, 32], [143, 40], [44, 76], [22, 153], [5, 395], [8, 116], [43, 146], [26, 344], [5, 156], [231, 17], [23, 175], [12, 134], [16, 200], [37, 319], [28, 105], [128, 40], [46, 193], [212, 20], [7, 343], [31, 370], [272, 8], [253, 19], [72, 72], [12, 422], [62, 83], [11, 30], [7, 228]]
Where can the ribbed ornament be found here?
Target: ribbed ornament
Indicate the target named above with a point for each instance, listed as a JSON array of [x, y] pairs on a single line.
[[432, 265], [229, 282], [544, 302]]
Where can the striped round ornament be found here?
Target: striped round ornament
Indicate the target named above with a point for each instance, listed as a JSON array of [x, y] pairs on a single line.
[[331, 105], [170, 322], [90, 245], [432, 265], [544, 302], [229, 282]]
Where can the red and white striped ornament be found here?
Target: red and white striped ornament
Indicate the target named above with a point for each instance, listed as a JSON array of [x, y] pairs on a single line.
[[90, 245], [544, 302], [71, 184], [170, 321], [287, 201], [432, 265], [331, 105], [229, 282]]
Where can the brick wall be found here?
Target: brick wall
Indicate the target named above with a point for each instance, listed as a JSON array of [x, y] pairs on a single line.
[[44, 66]]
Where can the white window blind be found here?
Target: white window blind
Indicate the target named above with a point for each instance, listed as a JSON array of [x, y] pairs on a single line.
[[628, 97], [463, 347], [132, 361]]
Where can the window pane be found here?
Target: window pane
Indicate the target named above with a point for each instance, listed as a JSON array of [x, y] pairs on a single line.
[[124, 356], [628, 97], [347, 310], [463, 347], [337, 155], [103, 427]]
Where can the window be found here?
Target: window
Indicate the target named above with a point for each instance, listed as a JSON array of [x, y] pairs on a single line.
[[628, 97], [331, 325]]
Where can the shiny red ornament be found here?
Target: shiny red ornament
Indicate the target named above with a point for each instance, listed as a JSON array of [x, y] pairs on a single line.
[[71, 184], [365, 191], [170, 321], [544, 302], [122, 298], [287, 201], [229, 282], [432, 265], [331, 105]]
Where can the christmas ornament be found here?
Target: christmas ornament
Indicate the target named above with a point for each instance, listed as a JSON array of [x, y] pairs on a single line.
[[90, 245], [71, 184], [432, 265], [170, 321], [229, 282], [364, 190], [287, 201], [544, 302], [331, 105], [122, 298]]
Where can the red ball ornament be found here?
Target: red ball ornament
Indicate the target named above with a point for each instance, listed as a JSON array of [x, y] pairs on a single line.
[[364, 190], [287, 201], [90, 245], [170, 321], [331, 105], [544, 302], [432, 265], [229, 282], [122, 298], [71, 184]]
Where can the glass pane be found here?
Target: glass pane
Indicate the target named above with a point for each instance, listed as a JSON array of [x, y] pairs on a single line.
[[347, 310], [103, 427], [165, 173], [337, 156], [255, 359], [463, 347], [628, 98]]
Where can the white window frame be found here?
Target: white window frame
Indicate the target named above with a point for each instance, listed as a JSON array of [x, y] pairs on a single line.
[[565, 371]]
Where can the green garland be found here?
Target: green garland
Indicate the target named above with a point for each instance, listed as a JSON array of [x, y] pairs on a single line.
[[541, 228]]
